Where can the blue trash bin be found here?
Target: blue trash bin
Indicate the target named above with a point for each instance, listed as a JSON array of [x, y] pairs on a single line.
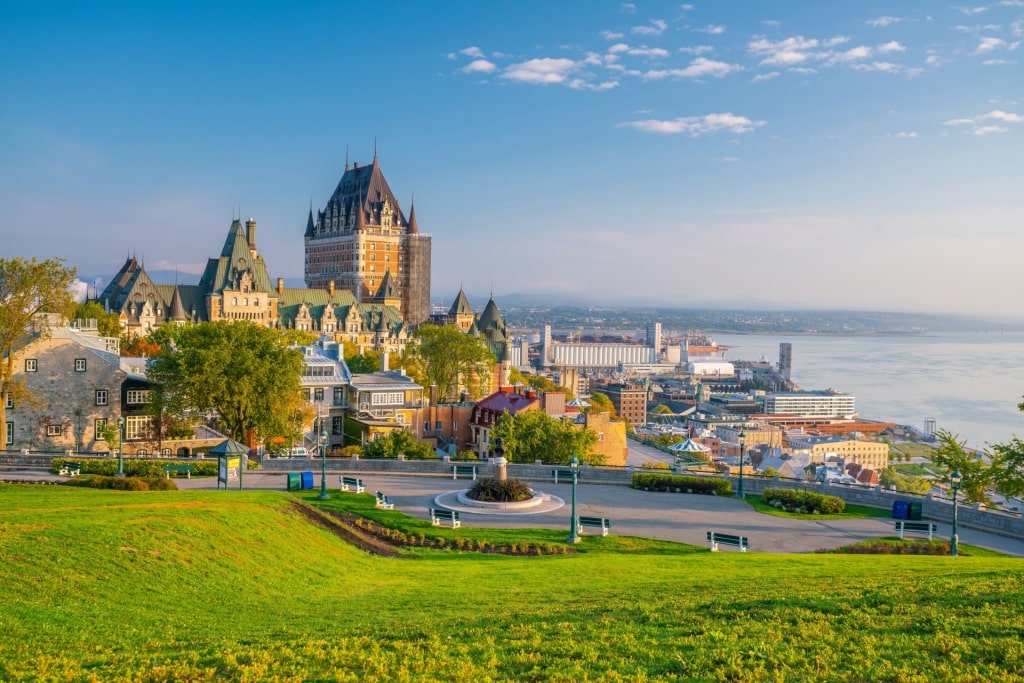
[[307, 480], [900, 509]]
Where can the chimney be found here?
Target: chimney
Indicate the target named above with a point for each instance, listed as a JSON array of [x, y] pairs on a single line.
[[250, 233], [384, 361], [280, 285], [330, 288], [433, 394]]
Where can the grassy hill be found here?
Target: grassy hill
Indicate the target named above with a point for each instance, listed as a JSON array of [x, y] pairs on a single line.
[[203, 586]]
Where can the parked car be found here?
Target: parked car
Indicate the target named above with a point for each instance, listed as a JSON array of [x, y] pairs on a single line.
[[299, 452]]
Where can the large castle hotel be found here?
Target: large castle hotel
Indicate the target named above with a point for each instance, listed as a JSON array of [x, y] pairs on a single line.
[[361, 235]]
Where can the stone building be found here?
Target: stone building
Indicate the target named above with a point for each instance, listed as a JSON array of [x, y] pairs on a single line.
[[361, 235], [79, 385], [236, 286]]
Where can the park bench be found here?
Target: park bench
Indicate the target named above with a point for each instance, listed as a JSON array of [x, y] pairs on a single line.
[[70, 469], [715, 539], [384, 502], [178, 469], [564, 472], [600, 522], [469, 470], [437, 516], [352, 484], [929, 528]]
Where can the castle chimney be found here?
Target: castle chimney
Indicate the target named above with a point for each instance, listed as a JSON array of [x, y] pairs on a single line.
[[250, 233], [384, 362], [280, 285], [330, 287]]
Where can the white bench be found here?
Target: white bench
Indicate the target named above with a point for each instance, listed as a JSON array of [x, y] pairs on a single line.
[[352, 484], [600, 522], [715, 539], [70, 469], [929, 528], [384, 502], [438, 515]]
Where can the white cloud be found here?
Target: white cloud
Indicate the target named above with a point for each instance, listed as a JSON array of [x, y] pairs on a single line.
[[774, 23], [784, 52], [472, 52], [998, 62], [891, 46], [686, 8], [610, 35], [712, 29], [994, 115], [726, 160], [836, 40], [766, 77], [988, 44], [695, 126], [884, 67], [698, 68], [627, 8], [882, 22], [479, 66], [907, 134], [656, 28], [545, 71], [580, 84], [970, 11], [641, 51], [933, 60], [851, 55], [696, 49]]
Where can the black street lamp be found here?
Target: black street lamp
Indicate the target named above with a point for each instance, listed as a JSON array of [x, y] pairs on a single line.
[[574, 526], [954, 479], [120, 446], [323, 472], [739, 492]]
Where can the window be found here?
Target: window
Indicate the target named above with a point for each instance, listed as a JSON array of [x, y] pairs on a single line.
[[10, 433], [136, 427], [339, 396], [400, 418], [437, 425], [10, 402], [305, 394], [142, 451], [98, 427], [318, 394], [337, 425], [426, 426], [166, 451], [54, 430], [31, 364], [79, 365], [101, 397], [139, 396]]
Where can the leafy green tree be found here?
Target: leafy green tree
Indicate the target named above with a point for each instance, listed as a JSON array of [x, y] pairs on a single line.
[[1008, 465], [534, 435], [367, 361], [246, 373], [449, 358], [27, 289], [600, 403], [107, 324], [952, 454], [661, 409], [398, 442]]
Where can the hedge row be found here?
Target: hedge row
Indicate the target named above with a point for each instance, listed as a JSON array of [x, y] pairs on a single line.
[[124, 483], [138, 467], [679, 483], [807, 502]]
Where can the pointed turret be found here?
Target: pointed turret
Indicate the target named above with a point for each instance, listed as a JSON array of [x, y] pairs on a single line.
[[461, 305], [414, 228], [177, 312], [310, 227]]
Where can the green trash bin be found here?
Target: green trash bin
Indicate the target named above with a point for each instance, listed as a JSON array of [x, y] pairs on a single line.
[[914, 510], [294, 481]]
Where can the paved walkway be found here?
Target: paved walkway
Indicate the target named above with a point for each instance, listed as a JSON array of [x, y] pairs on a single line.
[[670, 516]]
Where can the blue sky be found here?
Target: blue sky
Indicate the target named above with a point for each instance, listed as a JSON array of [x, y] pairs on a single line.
[[740, 154]]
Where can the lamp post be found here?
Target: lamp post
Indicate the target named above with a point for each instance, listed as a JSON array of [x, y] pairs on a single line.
[[323, 473], [954, 480], [120, 446], [574, 527], [739, 492]]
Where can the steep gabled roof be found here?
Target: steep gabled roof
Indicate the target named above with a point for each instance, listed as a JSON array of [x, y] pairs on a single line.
[[235, 259], [130, 278], [362, 188], [388, 288], [491, 318], [461, 305]]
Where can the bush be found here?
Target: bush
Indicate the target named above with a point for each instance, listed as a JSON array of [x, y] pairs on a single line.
[[124, 483], [496, 490], [142, 467], [804, 502], [711, 486]]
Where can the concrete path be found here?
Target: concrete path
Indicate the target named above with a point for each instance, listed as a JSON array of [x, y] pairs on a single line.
[[670, 516]]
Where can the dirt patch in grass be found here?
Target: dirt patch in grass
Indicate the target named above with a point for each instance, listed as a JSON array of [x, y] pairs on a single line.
[[344, 527]]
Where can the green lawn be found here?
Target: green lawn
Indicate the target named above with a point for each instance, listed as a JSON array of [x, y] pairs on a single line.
[[238, 586]]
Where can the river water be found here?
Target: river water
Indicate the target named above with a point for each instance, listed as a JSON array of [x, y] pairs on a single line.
[[969, 383]]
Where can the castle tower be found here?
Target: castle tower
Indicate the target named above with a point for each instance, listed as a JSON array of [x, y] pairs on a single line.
[[361, 235]]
